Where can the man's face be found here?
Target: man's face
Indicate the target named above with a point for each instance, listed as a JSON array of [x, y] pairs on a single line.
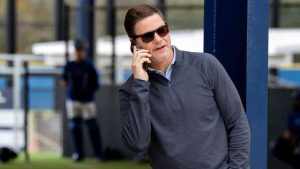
[[79, 55], [160, 47]]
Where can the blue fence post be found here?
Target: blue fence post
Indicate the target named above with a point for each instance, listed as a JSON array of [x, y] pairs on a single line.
[[257, 79], [85, 24], [236, 32]]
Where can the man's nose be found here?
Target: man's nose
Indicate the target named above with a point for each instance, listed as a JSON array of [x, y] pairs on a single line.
[[157, 38]]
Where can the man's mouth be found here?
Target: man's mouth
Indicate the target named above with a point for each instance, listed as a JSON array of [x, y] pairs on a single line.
[[159, 48]]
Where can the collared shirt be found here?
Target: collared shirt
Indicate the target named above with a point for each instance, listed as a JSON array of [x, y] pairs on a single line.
[[169, 69]]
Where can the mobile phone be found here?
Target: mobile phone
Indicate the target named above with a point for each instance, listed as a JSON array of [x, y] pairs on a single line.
[[145, 64], [133, 43]]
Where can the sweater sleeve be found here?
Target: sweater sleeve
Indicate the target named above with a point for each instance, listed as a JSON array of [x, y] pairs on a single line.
[[233, 114], [135, 110]]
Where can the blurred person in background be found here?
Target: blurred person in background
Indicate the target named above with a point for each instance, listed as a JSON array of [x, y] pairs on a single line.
[[287, 147], [81, 80], [181, 107]]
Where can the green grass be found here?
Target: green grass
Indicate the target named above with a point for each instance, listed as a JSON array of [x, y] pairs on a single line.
[[56, 161]]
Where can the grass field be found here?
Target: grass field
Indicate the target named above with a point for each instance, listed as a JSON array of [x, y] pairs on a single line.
[[56, 161]]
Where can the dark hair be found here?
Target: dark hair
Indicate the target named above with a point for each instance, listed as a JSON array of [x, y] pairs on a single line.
[[136, 14], [79, 44]]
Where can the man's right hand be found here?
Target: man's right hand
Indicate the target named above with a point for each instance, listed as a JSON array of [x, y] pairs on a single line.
[[139, 58]]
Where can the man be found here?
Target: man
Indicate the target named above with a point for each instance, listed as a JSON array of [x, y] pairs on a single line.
[[81, 79], [183, 109], [287, 145]]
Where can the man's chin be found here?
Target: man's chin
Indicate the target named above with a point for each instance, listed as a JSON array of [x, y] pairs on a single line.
[[159, 58]]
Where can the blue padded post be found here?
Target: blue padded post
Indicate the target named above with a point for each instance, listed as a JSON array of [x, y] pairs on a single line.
[[236, 32], [85, 25]]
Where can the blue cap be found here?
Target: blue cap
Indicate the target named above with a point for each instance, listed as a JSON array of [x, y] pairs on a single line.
[[79, 44]]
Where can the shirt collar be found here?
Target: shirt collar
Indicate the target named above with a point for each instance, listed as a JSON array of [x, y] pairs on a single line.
[[174, 58]]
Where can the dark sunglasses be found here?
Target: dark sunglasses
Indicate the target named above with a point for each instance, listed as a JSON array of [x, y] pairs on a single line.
[[149, 36]]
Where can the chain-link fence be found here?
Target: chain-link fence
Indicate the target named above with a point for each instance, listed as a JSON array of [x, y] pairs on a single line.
[[45, 132]]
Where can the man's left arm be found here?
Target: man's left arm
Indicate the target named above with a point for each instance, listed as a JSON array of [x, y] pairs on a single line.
[[95, 77], [233, 114]]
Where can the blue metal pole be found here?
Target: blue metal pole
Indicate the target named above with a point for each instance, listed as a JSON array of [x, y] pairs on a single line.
[[111, 31], [236, 32], [66, 29], [59, 19], [257, 79], [85, 25], [226, 23]]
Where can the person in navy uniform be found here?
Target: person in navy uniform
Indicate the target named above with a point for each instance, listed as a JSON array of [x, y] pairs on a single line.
[[287, 148], [293, 133], [80, 77]]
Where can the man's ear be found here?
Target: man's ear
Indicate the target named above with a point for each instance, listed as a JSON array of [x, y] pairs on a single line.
[[132, 43]]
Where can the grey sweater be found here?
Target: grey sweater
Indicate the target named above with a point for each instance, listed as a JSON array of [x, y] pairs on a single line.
[[194, 121]]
